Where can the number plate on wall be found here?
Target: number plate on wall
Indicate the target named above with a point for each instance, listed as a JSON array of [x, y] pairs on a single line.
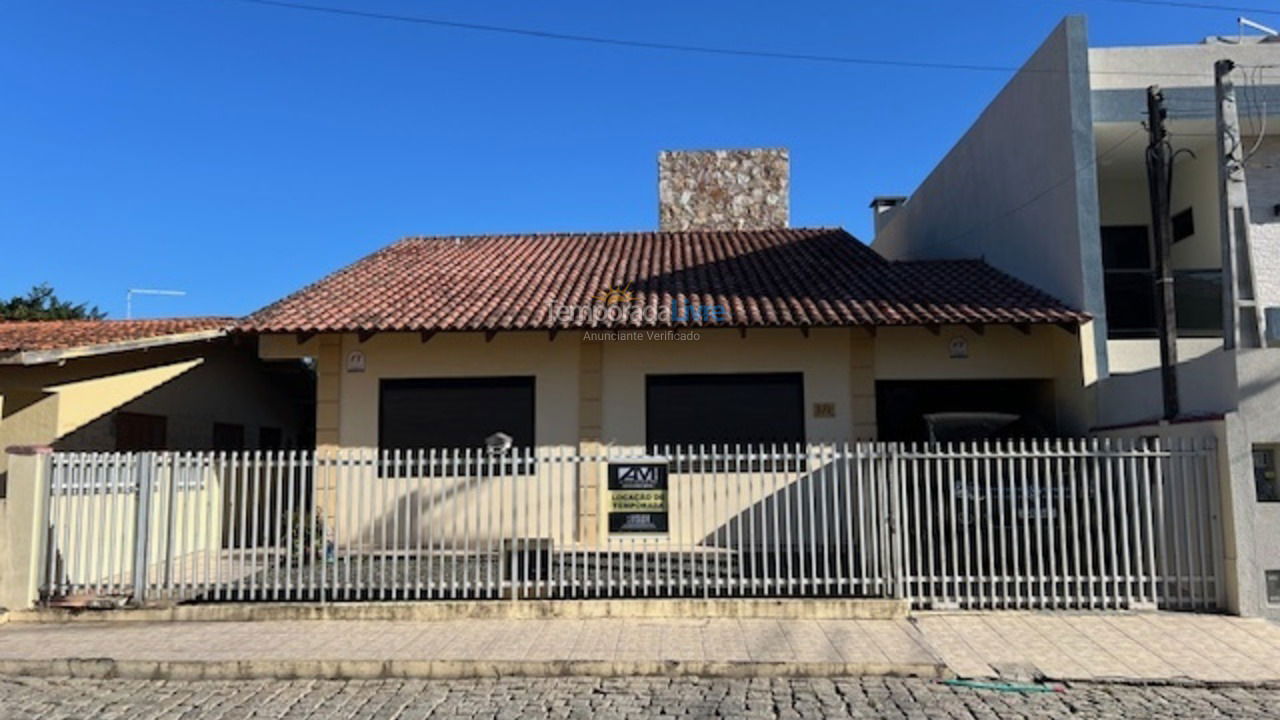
[[638, 496]]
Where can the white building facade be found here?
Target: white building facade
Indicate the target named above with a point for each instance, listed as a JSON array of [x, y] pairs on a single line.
[[1050, 186]]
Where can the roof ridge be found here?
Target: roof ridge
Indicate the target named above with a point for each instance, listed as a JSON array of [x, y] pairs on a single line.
[[620, 233]]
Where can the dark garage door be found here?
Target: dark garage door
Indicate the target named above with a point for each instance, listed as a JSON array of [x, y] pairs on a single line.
[[902, 404]]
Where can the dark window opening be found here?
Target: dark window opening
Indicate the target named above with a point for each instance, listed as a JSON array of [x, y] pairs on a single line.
[[1130, 287], [457, 414], [228, 437], [1265, 481], [1197, 298], [136, 432], [1128, 281]]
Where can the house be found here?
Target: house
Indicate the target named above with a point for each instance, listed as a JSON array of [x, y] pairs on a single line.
[[129, 385], [183, 384], [1049, 185], [726, 325], [658, 413]]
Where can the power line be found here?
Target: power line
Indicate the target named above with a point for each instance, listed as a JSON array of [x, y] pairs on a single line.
[[678, 47], [1197, 6]]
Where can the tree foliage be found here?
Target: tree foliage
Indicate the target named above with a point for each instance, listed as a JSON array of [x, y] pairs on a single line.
[[40, 303]]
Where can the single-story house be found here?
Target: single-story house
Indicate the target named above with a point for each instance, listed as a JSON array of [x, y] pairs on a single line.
[[726, 325], [180, 384]]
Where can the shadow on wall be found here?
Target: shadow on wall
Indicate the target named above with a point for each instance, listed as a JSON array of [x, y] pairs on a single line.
[[1205, 387], [835, 507]]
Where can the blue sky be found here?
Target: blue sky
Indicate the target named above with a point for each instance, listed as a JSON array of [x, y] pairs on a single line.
[[238, 152]]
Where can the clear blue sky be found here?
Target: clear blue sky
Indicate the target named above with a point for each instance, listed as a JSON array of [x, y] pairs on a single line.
[[238, 152]]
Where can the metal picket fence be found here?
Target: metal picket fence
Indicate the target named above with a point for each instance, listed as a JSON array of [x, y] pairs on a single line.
[[1076, 523]]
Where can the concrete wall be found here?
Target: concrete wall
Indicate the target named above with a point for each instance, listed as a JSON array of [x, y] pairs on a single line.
[[1132, 392], [1262, 173], [1019, 189], [1257, 422], [1170, 66]]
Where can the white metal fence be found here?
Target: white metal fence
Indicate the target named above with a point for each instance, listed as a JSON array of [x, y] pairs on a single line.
[[1044, 523]]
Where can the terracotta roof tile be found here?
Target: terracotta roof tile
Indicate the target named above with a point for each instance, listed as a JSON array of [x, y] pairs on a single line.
[[761, 278], [21, 336]]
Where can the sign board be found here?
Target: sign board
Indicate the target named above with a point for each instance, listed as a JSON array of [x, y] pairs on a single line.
[[638, 496], [355, 361]]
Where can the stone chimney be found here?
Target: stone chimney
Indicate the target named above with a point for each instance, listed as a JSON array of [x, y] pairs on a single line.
[[884, 207], [724, 189]]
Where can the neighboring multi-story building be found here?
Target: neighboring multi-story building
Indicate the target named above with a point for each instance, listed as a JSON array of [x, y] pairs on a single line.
[[1050, 186]]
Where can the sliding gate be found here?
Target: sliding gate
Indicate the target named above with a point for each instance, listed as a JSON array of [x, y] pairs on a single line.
[[1044, 523]]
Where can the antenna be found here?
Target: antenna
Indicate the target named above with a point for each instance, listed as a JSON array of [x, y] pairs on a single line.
[[1246, 22], [128, 298]]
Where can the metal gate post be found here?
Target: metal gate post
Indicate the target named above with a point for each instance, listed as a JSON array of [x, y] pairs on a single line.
[[144, 470], [43, 539], [170, 508], [895, 521]]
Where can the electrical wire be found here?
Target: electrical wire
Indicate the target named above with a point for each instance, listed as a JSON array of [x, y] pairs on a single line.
[[1257, 115], [1196, 6], [677, 47]]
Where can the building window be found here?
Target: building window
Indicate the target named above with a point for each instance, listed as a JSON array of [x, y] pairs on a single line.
[[1129, 284], [1197, 297], [1265, 482], [692, 410], [455, 413], [1273, 587], [137, 432], [228, 437], [1128, 281]]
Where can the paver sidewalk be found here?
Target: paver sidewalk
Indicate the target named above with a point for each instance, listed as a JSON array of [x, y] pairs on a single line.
[[1107, 646], [1061, 646], [471, 647]]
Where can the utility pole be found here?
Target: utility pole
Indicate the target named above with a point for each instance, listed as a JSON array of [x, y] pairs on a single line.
[[1159, 187], [1241, 324]]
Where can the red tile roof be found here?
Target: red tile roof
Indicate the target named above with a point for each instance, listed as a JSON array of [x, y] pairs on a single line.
[[761, 278], [23, 336]]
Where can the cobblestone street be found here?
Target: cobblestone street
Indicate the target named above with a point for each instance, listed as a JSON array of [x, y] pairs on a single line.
[[606, 699]]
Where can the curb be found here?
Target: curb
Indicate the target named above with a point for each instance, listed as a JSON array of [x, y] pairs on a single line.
[[485, 609], [111, 669]]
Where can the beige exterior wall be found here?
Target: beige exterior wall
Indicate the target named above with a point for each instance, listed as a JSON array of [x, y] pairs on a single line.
[[589, 394], [193, 386], [589, 391]]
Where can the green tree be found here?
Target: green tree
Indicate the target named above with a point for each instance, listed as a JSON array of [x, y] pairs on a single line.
[[40, 303]]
